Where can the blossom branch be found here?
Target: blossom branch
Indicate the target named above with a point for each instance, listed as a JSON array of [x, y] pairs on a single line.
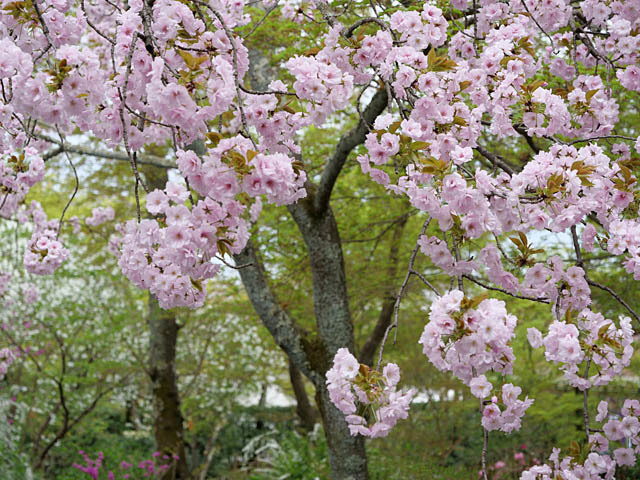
[[610, 291], [496, 289], [616, 296], [45, 30], [234, 54], [496, 160]]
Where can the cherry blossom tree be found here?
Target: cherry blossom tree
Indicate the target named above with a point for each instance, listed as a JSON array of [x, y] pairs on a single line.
[[444, 95]]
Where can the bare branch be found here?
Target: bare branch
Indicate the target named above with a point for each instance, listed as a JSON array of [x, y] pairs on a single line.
[[75, 189], [614, 295], [386, 312], [81, 150]]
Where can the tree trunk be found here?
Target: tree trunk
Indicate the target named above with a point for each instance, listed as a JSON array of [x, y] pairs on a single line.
[[347, 455], [313, 354], [167, 418]]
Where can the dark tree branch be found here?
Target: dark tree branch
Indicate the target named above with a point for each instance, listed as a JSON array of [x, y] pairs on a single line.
[[616, 296], [496, 289], [346, 144], [398, 299], [496, 160], [282, 327], [522, 131], [610, 291]]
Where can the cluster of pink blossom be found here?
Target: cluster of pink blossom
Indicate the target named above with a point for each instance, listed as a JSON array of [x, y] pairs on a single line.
[[369, 400], [566, 289], [509, 419], [469, 337], [173, 258], [233, 167], [171, 255], [324, 85], [440, 256], [100, 215], [622, 437], [18, 173], [590, 337], [44, 253], [420, 30]]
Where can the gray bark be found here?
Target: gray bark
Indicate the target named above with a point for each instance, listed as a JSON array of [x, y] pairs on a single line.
[[314, 355]]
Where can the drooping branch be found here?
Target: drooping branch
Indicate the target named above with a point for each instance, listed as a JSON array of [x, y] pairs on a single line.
[[501, 290], [346, 144]]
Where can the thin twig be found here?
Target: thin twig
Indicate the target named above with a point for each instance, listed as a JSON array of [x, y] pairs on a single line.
[[234, 56], [122, 93], [576, 247], [75, 190], [602, 137], [616, 296], [496, 289], [485, 445], [396, 306], [349, 31], [536, 22], [93, 27], [261, 21], [425, 281], [235, 267], [45, 30]]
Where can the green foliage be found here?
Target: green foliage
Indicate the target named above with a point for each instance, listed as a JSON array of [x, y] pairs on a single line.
[[105, 431], [293, 456], [14, 464]]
